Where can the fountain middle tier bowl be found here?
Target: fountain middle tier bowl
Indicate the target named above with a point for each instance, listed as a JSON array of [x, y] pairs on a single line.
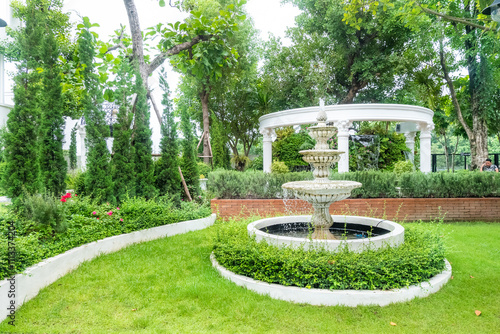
[[321, 156], [321, 187], [393, 237]]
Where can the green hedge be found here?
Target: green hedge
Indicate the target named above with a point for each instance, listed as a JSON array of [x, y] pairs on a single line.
[[83, 226], [225, 184], [417, 260]]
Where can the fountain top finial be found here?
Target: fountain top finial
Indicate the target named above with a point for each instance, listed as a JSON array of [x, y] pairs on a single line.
[[321, 114]]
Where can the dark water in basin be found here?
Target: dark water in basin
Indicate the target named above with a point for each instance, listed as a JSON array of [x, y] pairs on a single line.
[[345, 231]]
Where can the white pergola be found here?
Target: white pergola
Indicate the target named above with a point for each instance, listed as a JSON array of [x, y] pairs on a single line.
[[414, 119]]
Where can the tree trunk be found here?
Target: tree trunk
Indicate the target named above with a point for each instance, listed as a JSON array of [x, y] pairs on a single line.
[[480, 151], [204, 96]]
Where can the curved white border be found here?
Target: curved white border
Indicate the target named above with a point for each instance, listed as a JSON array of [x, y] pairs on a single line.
[[337, 297], [36, 277], [393, 239]]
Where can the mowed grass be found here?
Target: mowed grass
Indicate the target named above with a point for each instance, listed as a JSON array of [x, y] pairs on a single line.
[[169, 286]]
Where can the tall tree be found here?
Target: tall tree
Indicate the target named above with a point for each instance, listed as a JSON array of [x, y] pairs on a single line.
[[168, 180], [331, 59], [175, 38], [98, 181], [459, 29], [53, 166]]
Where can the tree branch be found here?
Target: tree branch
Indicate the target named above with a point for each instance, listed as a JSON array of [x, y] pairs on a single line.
[[453, 18], [175, 50], [453, 94]]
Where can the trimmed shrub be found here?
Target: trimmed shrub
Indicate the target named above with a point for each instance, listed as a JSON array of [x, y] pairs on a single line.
[[376, 184]]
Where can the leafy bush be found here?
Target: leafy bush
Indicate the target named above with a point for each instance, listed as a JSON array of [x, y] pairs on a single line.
[[46, 211], [287, 145], [279, 167], [86, 222], [418, 259], [404, 166]]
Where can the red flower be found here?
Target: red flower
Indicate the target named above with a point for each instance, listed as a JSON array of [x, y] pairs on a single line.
[[63, 199]]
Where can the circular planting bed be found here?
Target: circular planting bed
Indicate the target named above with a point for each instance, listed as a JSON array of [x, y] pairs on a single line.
[[355, 233], [314, 274]]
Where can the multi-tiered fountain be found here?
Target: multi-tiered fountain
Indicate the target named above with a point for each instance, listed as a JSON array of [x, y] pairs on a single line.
[[321, 228]]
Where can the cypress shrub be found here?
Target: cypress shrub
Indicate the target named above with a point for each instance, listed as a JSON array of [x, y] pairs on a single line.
[[122, 163], [98, 182], [168, 179], [144, 170], [53, 166], [72, 150]]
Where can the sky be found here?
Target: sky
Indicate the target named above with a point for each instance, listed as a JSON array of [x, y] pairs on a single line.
[[269, 16]]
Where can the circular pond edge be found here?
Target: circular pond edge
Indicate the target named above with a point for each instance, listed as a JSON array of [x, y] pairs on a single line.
[[392, 239], [350, 298]]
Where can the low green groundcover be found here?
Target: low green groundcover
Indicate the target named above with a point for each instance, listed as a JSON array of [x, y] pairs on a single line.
[[417, 260]]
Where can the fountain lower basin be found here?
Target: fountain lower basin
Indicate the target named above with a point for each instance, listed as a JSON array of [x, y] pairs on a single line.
[[393, 238]]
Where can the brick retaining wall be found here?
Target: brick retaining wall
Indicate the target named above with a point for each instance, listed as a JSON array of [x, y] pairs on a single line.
[[398, 209]]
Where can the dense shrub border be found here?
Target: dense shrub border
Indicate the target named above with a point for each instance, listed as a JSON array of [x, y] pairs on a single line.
[[417, 260], [88, 222], [224, 184]]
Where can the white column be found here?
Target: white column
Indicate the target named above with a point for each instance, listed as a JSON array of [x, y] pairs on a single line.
[[410, 142], [425, 146], [83, 148], [343, 144], [267, 145]]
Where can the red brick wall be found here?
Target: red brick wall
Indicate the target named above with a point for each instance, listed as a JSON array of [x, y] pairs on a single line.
[[399, 209]]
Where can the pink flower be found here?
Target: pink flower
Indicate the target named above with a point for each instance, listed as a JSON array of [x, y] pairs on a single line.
[[63, 199], [94, 212], [121, 219], [97, 217], [76, 195], [110, 213], [68, 195], [117, 208]]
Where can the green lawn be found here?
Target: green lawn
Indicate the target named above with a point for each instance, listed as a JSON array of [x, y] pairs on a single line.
[[169, 286]]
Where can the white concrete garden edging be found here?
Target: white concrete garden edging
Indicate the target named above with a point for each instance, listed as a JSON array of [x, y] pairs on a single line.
[[337, 297], [33, 279]]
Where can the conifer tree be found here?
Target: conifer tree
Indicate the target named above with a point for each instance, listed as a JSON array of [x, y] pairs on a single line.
[[72, 149], [98, 182], [21, 140], [122, 163], [220, 150], [168, 180], [188, 161], [53, 166], [144, 169]]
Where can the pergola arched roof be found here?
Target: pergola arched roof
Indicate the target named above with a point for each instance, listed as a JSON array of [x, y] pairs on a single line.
[[351, 112]]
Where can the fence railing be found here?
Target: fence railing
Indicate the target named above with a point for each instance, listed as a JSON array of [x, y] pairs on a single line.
[[461, 161]]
